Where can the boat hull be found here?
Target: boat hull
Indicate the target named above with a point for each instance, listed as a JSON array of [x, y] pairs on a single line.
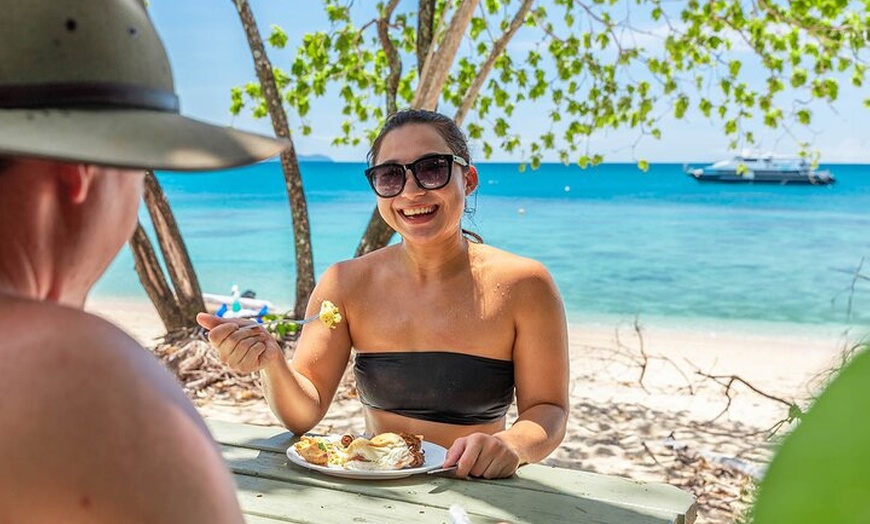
[[818, 178]]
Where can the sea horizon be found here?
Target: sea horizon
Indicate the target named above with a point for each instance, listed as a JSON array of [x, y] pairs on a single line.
[[323, 158], [621, 243]]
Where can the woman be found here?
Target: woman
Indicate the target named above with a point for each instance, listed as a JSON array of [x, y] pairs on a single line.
[[444, 329]]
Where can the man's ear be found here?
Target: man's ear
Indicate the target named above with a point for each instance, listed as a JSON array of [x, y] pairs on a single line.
[[76, 180], [471, 180]]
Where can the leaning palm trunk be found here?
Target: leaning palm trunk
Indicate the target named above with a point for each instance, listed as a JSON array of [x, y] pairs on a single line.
[[289, 162], [179, 303]]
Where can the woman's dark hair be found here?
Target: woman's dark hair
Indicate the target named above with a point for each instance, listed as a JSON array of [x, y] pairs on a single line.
[[446, 127], [5, 162]]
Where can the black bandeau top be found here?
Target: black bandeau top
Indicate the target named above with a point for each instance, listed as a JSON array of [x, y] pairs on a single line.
[[437, 386]]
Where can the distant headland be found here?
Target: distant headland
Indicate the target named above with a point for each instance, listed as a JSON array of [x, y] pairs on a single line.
[[315, 158], [305, 158]]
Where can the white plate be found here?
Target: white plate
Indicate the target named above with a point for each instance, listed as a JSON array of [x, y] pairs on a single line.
[[435, 455]]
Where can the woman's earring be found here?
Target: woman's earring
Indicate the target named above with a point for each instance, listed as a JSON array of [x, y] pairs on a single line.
[[470, 180]]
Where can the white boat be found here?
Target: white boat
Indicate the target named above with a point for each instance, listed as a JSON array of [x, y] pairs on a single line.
[[763, 169]]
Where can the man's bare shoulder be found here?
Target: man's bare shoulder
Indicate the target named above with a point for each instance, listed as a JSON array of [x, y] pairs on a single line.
[[64, 347], [100, 429]]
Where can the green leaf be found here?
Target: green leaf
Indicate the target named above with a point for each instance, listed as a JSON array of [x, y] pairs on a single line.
[[278, 38], [478, 25], [236, 101], [819, 474], [734, 68], [681, 106], [804, 116]]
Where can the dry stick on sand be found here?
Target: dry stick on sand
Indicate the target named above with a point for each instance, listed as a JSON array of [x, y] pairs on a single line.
[[723, 485], [728, 381], [644, 358]]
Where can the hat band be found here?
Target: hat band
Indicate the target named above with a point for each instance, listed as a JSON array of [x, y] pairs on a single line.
[[90, 95]]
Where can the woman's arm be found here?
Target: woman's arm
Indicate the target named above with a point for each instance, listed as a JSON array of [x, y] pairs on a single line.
[[298, 392], [301, 392], [540, 355], [540, 367]]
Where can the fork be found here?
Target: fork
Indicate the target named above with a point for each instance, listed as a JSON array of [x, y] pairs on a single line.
[[312, 318]]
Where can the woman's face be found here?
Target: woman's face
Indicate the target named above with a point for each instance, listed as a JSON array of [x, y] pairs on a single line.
[[418, 214]]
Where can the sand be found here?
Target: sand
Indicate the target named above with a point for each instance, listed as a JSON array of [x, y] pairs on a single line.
[[643, 403]]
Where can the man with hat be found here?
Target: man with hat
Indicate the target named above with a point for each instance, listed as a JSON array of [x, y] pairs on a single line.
[[92, 428]]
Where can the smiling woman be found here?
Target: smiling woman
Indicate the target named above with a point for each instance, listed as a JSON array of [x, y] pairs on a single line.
[[446, 332]]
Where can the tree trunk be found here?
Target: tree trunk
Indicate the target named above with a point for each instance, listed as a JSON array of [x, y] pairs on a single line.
[[378, 233], [392, 56], [177, 308], [289, 162], [154, 282], [376, 236], [425, 31], [433, 67], [438, 65]]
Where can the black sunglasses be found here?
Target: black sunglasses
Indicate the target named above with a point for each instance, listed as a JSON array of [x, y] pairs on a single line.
[[430, 172]]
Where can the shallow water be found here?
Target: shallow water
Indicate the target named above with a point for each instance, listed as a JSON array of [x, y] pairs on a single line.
[[620, 243]]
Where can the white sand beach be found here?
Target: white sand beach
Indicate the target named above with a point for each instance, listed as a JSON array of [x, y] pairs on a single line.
[[641, 407]]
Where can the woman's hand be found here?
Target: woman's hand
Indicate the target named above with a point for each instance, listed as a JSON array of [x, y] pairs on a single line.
[[482, 455], [242, 350]]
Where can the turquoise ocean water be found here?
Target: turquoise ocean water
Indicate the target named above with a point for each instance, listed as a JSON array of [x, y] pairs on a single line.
[[620, 243]]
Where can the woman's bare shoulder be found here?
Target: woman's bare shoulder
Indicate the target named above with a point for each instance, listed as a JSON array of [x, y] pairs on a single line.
[[507, 265], [359, 269]]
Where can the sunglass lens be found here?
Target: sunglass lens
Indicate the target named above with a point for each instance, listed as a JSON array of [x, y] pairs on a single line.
[[388, 180], [433, 173]]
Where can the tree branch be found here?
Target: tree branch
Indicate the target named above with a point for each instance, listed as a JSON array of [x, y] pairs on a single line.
[[392, 56], [438, 65], [497, 49]]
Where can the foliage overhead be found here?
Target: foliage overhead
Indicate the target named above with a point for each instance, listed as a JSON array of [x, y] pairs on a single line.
[[588, 67]]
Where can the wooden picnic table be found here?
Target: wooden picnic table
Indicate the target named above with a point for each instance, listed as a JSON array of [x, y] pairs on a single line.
[[272, 490]]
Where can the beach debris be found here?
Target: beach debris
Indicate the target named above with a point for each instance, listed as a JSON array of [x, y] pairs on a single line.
[[745, 467], [197, 366], [205, 379]]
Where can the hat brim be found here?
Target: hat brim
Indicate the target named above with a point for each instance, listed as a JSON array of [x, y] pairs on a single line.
[[130, 139]]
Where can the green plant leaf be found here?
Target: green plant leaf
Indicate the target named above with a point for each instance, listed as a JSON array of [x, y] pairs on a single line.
[[821, 473]]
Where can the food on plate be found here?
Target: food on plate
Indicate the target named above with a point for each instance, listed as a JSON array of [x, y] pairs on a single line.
[[312, 451], [329, 314], [383, 452], [323, 451]]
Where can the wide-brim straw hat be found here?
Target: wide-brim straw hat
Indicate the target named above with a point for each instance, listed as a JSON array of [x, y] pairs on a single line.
[[89, 81]]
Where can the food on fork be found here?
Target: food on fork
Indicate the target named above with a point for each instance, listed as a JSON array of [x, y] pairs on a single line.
[[329, 314], [383, 452]]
